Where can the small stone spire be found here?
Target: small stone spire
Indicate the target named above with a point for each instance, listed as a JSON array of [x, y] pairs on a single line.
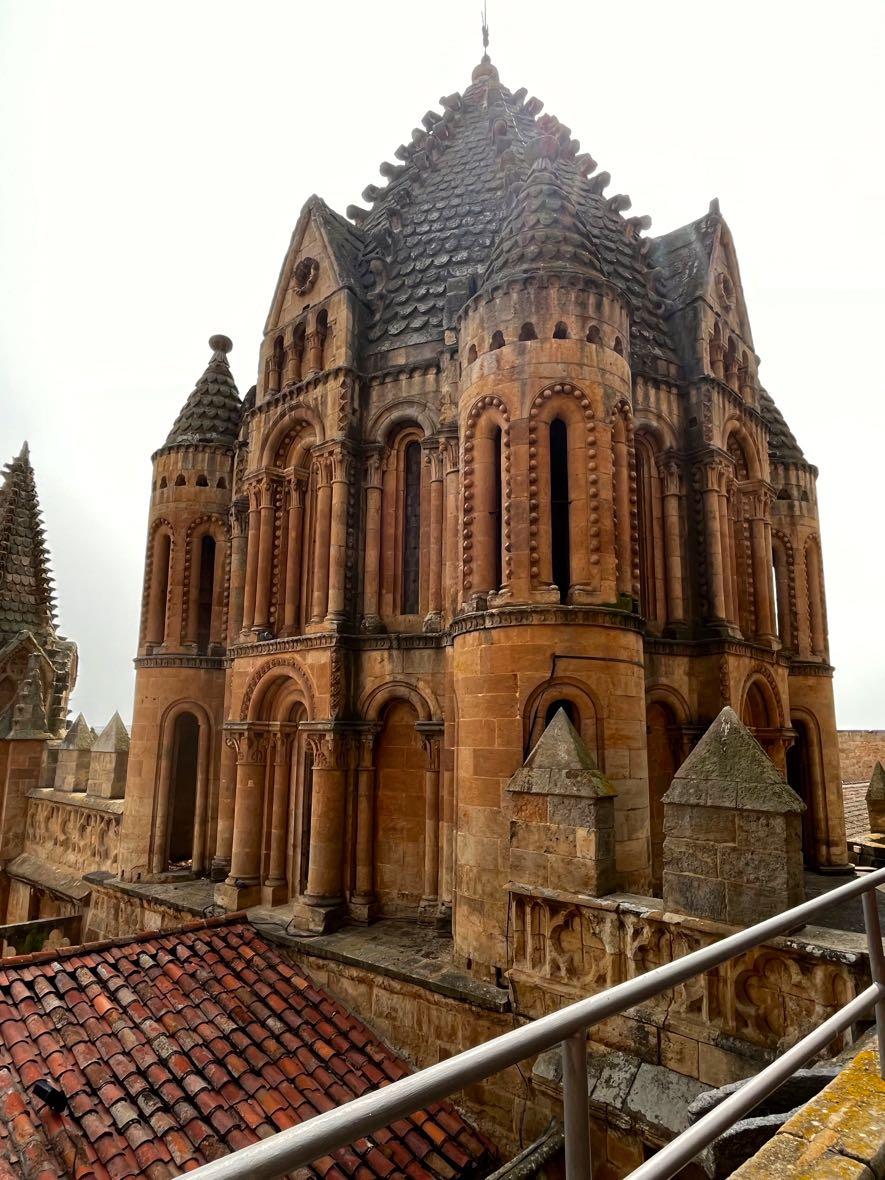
[[876, 799], [212, 413], [29, 711], [544, 230], [27, 600]]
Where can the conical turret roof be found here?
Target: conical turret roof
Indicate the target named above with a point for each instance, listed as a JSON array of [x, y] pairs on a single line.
[[26, 591], [544, 230], [212, 413]]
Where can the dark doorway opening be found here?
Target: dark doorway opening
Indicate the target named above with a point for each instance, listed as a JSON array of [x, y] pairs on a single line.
[[183, 785]]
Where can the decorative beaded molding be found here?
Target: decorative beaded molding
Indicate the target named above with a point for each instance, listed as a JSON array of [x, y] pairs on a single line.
[[623, 410], [567, 390], [791, 586], [467, 466], [156, 525]]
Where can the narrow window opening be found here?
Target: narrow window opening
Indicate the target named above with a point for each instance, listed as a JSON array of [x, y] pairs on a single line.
[[180, 481], [619, 346], [497, 340], [527, 332], [222, 482], [471, 354], [298, 335], [164, 482], [159, 589], [497, 515], [322, 330], [593, 335], [411, 528], [559, 507], [560, 332], [207, 586], [202, 481], [568, 707], [278, 363]]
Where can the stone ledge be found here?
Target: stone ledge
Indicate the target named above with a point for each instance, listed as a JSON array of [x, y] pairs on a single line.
[[393, 948], [839, 1133], [77, 799]]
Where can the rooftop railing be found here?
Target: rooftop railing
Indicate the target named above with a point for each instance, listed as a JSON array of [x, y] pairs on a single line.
[[299, 1146]]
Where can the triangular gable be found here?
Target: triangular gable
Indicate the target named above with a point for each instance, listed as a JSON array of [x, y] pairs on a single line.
[[319, 234], [724, 289]]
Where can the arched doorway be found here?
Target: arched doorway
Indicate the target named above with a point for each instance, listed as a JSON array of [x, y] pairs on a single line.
[[183, 792], [802, 775], [399, 825], [663, 745]]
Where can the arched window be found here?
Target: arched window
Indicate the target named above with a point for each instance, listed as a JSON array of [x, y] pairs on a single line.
[[183, 789], [163, 482], [471, 354], [322, 333], [594, 336], [296, 355], [560, 332], [277, 365], [619, 346], [781, 597], [527, 332], [159, 587], [559, 507], [205, 595], [180, 480], [650, 512], [202, 481], [621, 478], [411, 528], [814, 581], [497, 341], [498, 511], [568, 707]]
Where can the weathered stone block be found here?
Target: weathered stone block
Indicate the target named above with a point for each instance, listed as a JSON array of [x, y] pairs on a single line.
[[876, 799], [695, 895]]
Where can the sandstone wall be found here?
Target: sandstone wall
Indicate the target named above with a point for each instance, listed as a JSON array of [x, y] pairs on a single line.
[[859, 751]]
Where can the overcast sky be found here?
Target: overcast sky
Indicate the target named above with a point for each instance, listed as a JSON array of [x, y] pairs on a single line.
[[154, 158]]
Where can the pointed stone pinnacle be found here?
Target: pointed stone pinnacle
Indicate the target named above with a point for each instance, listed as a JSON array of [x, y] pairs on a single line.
[[79, 736], [560, 764], [876, 789], [114, 737], [728, 768]]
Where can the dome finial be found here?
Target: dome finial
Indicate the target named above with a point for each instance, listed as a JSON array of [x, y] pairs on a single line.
[[221, 346]]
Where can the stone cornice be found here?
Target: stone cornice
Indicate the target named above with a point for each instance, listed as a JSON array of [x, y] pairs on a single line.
[[182, 660], [520, 615]]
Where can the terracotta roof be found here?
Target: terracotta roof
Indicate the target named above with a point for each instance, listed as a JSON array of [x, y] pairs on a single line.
[[174, 1048], [26, 593], [213, 411]]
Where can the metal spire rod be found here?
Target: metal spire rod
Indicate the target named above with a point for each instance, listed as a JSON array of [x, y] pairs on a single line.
[[485, 30]]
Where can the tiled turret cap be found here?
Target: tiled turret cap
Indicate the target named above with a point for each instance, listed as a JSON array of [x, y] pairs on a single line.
[[544, 230], [213, 411]]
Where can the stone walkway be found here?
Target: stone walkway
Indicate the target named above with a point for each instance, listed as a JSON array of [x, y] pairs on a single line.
[[847, 915]]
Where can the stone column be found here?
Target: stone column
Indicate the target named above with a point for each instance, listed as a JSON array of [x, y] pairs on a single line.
[[243, 886], [671, 493], [265, 556], [372, 553], [238, 518], [201, 802], [219, 573], [321, 907], [314, 348], [321, 539], [758, 502], [226, 803], [433, 619], [710, 476], [252, 557], [155, 632], [451, 580], [431, 735], [274, 890], [341, 467], [728, 497], [362, 903], [294, 531]]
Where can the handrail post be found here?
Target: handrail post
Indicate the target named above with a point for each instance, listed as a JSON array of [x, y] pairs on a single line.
[[575, 1104], [877, 966]]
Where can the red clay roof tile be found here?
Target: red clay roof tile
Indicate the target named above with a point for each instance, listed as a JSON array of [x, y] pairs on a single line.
[[176, 1047]]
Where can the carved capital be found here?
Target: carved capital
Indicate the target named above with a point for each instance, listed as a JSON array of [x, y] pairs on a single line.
[[671, 476], [431, 733]]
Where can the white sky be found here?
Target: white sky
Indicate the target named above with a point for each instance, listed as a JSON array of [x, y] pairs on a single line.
[[154, 158]]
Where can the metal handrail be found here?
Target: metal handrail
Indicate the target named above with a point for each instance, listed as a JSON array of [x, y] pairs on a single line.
[[298, 1146]]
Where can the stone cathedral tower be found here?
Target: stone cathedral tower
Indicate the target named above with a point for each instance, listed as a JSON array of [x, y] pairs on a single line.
[[507, 454]]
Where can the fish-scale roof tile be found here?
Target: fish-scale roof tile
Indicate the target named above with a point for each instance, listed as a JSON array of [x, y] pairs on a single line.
[[212, 413], [176, 1048], [26, 587]]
